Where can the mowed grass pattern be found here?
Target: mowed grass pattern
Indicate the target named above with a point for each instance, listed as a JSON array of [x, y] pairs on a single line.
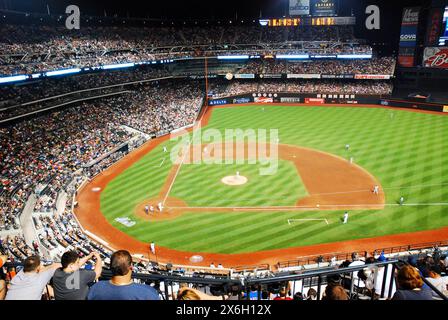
[[406, 151], [280, 189]]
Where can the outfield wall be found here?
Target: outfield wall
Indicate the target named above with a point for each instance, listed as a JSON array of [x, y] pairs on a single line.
[[317, 99]]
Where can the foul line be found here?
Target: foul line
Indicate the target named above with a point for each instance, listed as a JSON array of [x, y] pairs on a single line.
[[388, 188], [177, 171], [292, 220], [311, 207]]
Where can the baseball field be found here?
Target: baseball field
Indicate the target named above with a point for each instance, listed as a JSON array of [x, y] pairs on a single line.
[[405, 153]]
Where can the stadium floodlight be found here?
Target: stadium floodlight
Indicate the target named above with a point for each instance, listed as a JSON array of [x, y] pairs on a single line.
[[118, 66], [13, 79], [62, 72], [236, 57], [292, 56], [354, 56]]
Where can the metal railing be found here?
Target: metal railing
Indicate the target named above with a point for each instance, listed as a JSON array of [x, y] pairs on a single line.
[[382, 285]]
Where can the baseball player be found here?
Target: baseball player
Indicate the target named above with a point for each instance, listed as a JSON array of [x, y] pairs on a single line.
[[153, 247], [347, 147], [401, 200], [351, 159], [151, 209], [165, 149], [376, 189], [146, 209], [160, 206], [345, 217]]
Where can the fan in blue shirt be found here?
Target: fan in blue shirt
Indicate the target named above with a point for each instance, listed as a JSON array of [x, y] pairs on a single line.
[[121, 286]]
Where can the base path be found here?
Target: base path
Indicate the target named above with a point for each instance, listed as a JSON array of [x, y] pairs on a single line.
[[89, 213]]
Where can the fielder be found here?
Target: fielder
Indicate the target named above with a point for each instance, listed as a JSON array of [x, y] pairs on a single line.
[[146, 209], [345, 217], [347, 147], [160, 206], [401, 200], [376, 189], [153, 247], [165, 149], [151, 209]]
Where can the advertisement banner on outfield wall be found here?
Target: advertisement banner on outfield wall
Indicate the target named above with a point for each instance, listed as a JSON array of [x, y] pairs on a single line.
[[245, 76], [314, 100], [445, 108], [299, 7], [290, 99], [436, 57], [263, 100], [218, 102], [241, 100], [270, 76], [372, 76], [337, 76], [302, 76]]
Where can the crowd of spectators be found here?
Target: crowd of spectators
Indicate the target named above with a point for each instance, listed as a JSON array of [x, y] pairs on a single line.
[[377, 66], [39, 155], [35, 281], [366, 87], [30, 49], [13, 95]]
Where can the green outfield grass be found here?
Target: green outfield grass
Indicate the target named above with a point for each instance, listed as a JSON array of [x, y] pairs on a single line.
[[406, 151]]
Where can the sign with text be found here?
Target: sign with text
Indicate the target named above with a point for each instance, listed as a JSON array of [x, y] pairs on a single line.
[[436, 57], [299, 7], [323, 7]]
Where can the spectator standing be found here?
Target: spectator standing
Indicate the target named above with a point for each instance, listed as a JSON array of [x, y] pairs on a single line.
[[29, 283], [121, 286], [72, 283]]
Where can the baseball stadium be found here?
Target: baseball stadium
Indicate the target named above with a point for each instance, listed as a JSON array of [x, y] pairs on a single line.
[[287, 151]]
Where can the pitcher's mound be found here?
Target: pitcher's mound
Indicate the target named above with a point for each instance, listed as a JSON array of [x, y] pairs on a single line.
[[234, 180]]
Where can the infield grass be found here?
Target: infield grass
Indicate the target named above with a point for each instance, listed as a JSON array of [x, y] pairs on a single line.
[[406, 151]]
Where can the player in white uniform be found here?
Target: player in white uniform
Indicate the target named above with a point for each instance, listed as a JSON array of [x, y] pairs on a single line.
[[376, 189], [347, 147], [165, 149], [160, 206], [151, 209], [153, 247], [345, 217]]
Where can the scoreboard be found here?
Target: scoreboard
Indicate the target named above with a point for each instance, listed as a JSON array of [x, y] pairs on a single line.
[[308, 21]]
